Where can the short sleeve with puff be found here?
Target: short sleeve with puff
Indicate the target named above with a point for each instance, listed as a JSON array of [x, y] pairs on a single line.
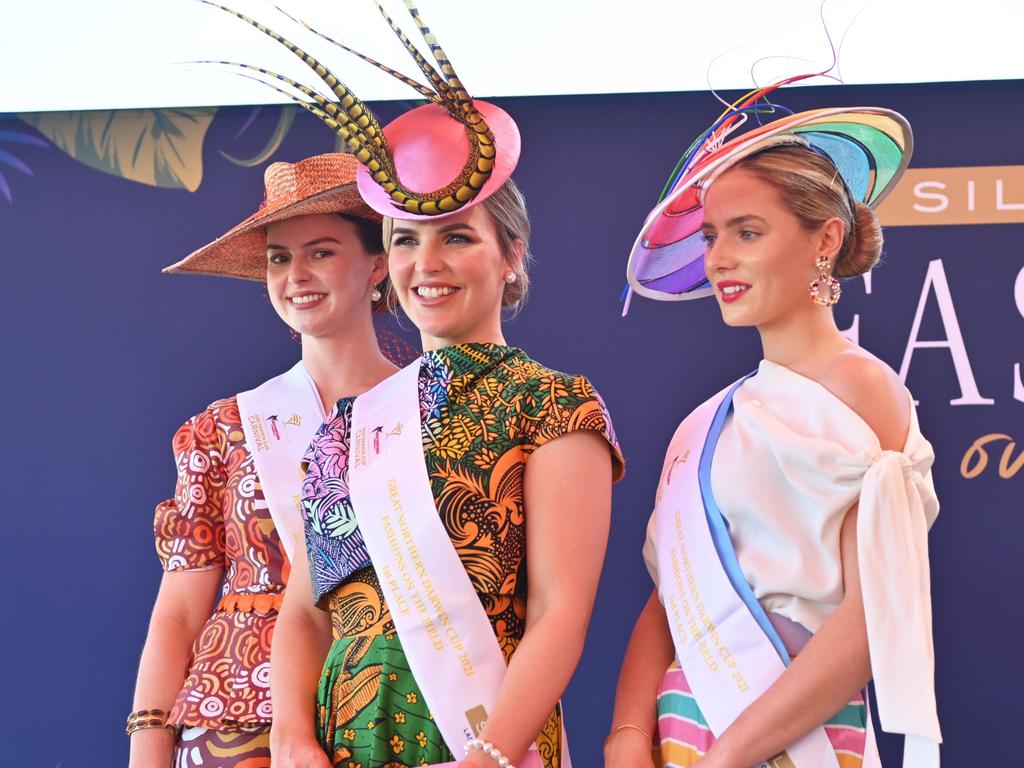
[[189, 528]]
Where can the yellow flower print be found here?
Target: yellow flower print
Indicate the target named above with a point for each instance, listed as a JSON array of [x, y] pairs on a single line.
[[487, 422], [464, 427], [349, 734], [393, 676], [486, 387], [485, 458], [397, 745], [399, 717], [452, 444], [519, 374], [421, 737], [556, 388], [371, 725], [459, 383], [411, 698], [581, 388]]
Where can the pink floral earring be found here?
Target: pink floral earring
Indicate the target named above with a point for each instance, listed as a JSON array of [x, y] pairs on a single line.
[[835, 290]]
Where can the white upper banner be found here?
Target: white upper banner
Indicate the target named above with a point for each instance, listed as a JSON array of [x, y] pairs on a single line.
[[118, 54]]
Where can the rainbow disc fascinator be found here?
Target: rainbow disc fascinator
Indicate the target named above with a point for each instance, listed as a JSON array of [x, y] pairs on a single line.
[[869, 146], [432, 161]]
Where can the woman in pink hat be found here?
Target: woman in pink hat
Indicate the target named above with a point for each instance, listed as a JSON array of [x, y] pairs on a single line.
[[456, 515], [509, 484], [788, 544], [226, 537]]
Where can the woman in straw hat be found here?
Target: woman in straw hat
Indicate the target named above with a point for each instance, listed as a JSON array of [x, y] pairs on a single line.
[[456, 626], [788, 544], [225, 539]]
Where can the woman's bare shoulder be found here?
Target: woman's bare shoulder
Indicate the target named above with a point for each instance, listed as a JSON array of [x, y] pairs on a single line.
[[874, 392]]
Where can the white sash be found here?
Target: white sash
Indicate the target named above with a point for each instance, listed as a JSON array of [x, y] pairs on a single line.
[[279, 418], [726, 656], [445, 632]]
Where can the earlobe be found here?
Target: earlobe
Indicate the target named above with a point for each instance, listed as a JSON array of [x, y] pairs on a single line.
[[833, 232], [380, 267], [519, 248], [515, 262]]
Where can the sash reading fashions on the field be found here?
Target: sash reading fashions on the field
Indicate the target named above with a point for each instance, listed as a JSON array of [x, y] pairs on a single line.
[[724, 640], [728, 658], [447, 637], [279, 418]]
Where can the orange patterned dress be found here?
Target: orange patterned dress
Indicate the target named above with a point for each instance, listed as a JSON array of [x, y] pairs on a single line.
[[218, 518]]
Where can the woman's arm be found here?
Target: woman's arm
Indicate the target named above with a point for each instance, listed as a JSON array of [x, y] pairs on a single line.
[[302, 638], [568, 501], [183, 604], [648, 655], [822, 679]]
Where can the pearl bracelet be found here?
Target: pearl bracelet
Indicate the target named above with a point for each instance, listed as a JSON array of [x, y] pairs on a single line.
[[489, 749]]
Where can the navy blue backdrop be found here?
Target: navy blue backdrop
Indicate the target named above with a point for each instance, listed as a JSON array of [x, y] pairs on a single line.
[[104, 357]]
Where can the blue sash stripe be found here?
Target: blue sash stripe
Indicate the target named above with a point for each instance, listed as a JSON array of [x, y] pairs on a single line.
[[720, 528]]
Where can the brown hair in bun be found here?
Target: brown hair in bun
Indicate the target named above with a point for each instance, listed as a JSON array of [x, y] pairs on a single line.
[[864, 244]]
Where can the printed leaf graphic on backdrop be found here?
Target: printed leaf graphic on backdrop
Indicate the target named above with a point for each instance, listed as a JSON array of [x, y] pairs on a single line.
[[9, 160], [159, 147]]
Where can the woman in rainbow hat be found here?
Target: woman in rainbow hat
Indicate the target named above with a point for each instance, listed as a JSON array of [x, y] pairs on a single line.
[[788, 544]]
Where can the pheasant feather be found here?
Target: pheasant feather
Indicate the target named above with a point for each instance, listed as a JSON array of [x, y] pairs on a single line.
[[358, 127]]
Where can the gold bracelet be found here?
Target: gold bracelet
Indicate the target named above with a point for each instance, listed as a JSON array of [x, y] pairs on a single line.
[[146, 718], [624, 727]]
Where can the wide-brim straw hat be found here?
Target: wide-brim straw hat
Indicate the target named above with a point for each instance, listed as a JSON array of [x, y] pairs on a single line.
[[319, 184], [869, 146]]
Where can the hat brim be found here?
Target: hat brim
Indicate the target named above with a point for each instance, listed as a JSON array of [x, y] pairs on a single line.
[[242, 251], [870, 146], [429, 149]]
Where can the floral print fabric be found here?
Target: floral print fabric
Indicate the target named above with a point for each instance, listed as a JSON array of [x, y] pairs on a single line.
[[484, 409]]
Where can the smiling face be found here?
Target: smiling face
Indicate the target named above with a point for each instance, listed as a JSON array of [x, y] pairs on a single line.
[[319, 275], [449, 276], [760, 257]]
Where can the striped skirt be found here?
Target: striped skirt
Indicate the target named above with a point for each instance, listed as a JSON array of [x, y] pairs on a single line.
[[683, 735]]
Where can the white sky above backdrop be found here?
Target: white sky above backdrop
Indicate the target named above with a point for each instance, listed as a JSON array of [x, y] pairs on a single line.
[[107, 54]]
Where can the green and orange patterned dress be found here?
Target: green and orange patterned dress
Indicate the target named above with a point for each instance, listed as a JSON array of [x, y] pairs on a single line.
[[485, 408]]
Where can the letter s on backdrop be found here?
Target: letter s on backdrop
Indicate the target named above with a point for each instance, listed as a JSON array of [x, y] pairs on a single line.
[[942, 200]]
